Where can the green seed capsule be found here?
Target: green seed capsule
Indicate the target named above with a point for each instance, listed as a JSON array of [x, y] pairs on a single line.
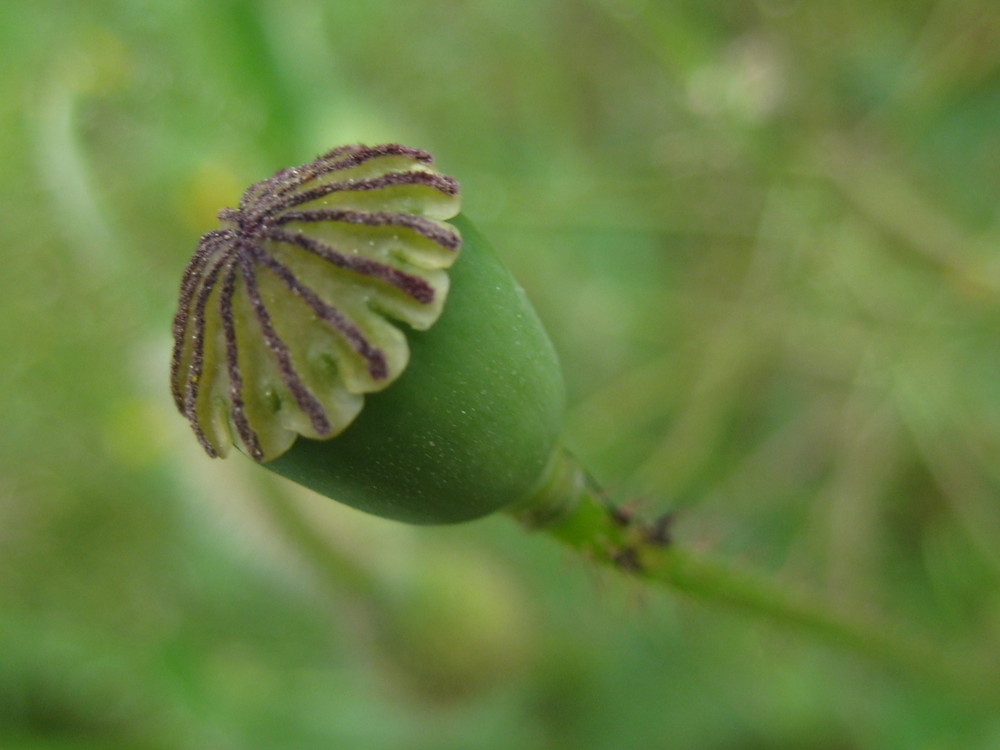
[[287, 343], [468, 428]]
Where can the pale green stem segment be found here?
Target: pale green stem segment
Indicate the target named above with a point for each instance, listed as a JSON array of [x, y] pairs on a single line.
[[571, 507]]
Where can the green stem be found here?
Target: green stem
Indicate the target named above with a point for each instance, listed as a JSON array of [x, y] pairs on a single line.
[[573, 509]]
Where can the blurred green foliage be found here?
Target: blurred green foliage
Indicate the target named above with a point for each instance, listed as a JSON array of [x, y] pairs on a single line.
[[764, 236]]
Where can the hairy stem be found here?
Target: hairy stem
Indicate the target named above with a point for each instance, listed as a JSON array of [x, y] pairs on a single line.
[[574, 510]]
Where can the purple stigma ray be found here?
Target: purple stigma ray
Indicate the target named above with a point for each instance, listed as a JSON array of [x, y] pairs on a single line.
[[411, 285], [283, 179], [419, 224], [358, 155], [333, 153], [377, 366], [251, 194], [433, 180], [193, 387], [263, 197], [304, 398], [198, 323], [361, 154], [339, 159], [209, 244], [246, 433], [192, 276]]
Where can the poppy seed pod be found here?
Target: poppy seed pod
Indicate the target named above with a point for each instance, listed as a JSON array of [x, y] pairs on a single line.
[[346, 328], [338, 329]]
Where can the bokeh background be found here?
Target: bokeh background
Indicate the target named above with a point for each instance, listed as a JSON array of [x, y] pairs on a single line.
[[764, 236]]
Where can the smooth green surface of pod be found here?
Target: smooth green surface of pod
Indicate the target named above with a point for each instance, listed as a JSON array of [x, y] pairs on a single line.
[[471, 424]]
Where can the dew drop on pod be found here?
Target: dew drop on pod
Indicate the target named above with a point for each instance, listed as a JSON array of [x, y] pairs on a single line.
[[346, 328]]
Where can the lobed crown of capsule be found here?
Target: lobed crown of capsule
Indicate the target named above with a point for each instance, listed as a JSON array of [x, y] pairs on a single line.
[[288, 311]]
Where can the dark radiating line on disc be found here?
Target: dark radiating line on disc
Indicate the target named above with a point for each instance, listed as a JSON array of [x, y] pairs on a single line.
[[247, 435], [332, 161], [433, 231], [335, 160], [304, 398], [413, 286], [378, 368], [193, 386], [193, 274], [439, 182]]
